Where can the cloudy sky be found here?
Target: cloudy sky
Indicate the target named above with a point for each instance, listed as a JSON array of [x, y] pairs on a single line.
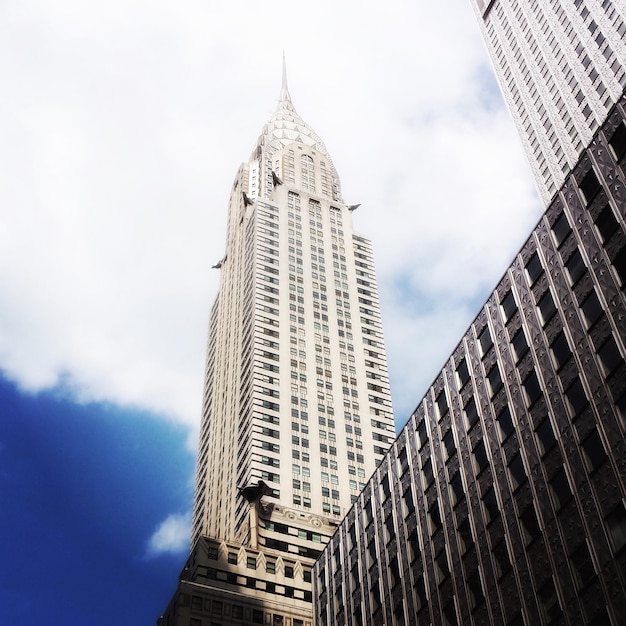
[[122, 125]]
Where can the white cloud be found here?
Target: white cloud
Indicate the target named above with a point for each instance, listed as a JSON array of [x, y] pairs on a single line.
[[172, 536], [124, 123]]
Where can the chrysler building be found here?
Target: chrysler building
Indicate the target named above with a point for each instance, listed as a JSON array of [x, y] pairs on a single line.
[[296, 411]]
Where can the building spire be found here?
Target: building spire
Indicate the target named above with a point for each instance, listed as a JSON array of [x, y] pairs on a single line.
[[285, 98]]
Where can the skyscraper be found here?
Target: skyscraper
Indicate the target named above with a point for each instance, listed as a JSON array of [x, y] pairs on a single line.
[[297, 410], [561, 68], [503, 499]]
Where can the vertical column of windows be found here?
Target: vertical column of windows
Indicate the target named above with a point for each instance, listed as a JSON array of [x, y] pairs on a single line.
[[378, 396], [259, 385], [350, 393], [307, 173], [330, 483], [326, 180], [299, 406], [268, 181], [289, 168]]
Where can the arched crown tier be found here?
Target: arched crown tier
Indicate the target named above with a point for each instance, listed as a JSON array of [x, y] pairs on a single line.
[[284, 130]]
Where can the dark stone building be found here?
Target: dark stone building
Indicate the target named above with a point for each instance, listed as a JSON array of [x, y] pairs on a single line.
[[502, 500]]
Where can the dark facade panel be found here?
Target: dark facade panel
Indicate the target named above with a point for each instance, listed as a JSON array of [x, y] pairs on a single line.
[[502, 500]]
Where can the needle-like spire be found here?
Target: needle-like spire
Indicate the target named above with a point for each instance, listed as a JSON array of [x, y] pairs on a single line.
[[284, 73], [285, 98]]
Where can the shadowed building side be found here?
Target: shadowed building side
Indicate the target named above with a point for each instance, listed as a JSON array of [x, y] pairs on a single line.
[[503, 499]]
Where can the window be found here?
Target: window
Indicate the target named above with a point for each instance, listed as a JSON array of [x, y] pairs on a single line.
[[549, 601], [448, 444], [427, 471], [508, 306], [466, 540], [619, 263], [583, 566], [402, 460], [592, 309], [576, 397], [441, 566], [389, 527], [616, 525], [593, 450], [545, 436], [463, 372], [618, 142], [422, 435], [449, 614], [529, 524], [534, 268], [456, 489], [575, 267], [475, 589], [610, 356], [375, 596], [606, 223], [485, 341], [517, 471], [495, 380], [435, 518], [505, 423], [480, 457], [490, 504], [442, 404], [520, 345], [398, 610], [560, 350], [589, 186], [414, 546], [561, 229], [409, 505], [532, 388], [471, 413], [385, 491], [561, 491], [546, 307], [501, 560]]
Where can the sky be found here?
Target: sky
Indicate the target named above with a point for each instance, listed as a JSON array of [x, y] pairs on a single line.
[[122, 125]]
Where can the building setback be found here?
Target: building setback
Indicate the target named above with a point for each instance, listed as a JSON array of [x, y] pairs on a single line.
[[297, 410], [502, 500]]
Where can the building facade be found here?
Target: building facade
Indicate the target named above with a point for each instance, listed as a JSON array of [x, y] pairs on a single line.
[[297, 410], [561, 66], [503, 499]]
